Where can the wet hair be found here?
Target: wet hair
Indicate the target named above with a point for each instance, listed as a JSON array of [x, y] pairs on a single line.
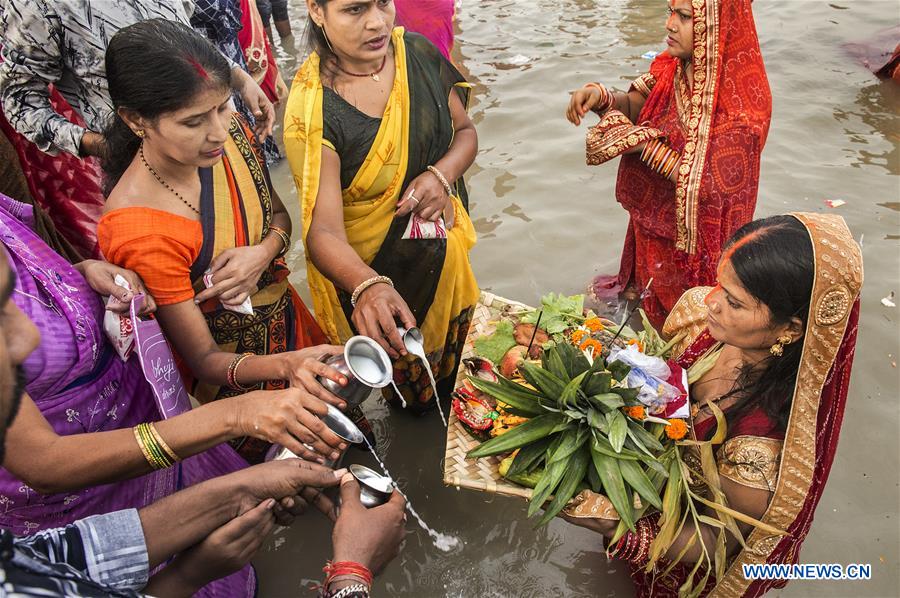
[[773, 258], [314, 37], [154, 67]]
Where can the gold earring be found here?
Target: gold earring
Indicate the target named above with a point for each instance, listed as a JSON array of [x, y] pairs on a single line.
[[778, 348], [325, 35], [140, 133]]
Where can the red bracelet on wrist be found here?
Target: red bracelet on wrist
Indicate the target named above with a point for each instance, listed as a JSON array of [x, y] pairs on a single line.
[[349, 569]]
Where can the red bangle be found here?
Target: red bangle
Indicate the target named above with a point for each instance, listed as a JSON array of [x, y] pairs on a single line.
[[349, 568]]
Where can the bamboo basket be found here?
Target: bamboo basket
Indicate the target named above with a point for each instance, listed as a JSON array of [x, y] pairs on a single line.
[[478, 474]]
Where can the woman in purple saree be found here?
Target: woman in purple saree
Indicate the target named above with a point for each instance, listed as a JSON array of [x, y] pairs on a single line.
[[80, 386]]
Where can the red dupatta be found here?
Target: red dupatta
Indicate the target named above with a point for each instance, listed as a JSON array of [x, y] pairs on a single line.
[[719, 127]]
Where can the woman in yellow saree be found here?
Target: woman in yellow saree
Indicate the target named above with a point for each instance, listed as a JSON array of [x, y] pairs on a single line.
[[378, 139]]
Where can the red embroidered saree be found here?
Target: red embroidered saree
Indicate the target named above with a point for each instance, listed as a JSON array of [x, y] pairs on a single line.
[[817, 410], [719, 127]]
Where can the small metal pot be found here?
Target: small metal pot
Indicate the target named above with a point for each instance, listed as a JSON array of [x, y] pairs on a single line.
[[366, 366], [413, 339], [374, 488], [341, 425]]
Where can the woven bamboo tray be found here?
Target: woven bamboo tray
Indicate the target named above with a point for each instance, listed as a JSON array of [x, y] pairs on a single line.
[[478, 474]]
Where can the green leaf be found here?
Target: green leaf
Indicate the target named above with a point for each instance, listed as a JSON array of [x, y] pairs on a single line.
[[520, 400], [593, 479], [571, 442], [494, 346], [618, 429], [532, 430], [635, 476], [529, 456], [553, 475], [557, 366], [575, 471], [606, 402], [597, 383], [642, 437], [614, 486], [571, 392], [597, 421], [551, 386], [601, 445], [619, 370]]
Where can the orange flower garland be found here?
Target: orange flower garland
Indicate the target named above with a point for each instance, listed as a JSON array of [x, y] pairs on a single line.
[[578, 336], [677, 429], [639, 344], [594, 324], [637, 412]]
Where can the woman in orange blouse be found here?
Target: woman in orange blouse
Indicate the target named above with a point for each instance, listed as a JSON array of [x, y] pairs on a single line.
[[191, 200]]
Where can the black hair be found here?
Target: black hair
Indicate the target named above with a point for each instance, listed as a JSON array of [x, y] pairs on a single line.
[[154, 67], [773, 258], [315, 37]]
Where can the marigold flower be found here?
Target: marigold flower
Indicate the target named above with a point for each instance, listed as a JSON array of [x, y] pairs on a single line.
[[636, 412], [677, 429], [594, 324], [578, 336], [639, 344], [593, 344]]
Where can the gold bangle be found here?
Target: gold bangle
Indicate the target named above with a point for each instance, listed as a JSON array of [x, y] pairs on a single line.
[[231, 375], [285, 238], [162, 443], [366, 284], [447, 188], [151, 451]]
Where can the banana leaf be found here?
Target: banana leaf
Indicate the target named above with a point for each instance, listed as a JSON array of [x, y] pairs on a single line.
[[618, 429], [529, 456], [575, 471], [521, 402], [532, 430], [635, 477], [614, 486], [551, 386]]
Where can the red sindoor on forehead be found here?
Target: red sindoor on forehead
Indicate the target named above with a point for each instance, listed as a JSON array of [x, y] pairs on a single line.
[[726, 257], [197, 67]]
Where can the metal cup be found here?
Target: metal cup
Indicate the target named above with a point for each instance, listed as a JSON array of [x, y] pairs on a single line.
[[413, 339], [366, 366], [374, 488]]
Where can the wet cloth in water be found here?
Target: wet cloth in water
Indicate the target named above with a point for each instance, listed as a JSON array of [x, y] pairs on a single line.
[[433, 276], [81, 386], [171, 254]]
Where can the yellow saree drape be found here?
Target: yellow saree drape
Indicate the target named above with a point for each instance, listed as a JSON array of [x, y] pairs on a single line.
[[370, 201]]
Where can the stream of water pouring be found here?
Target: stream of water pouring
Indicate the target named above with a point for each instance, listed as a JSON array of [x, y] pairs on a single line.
[[442, 542], [419, 351]]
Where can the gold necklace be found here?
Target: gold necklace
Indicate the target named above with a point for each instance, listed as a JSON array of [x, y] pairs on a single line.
[[164, 184]]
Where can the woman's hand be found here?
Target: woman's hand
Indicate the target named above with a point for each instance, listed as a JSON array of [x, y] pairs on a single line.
[[256, 100], [235, 273], [375, 316], [581, 102], [289, 417], [304, 366], [425, 196], [605, 527], [101, 276], [370, 537]]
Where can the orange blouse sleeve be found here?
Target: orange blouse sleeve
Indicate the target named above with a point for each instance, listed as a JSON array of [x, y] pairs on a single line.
[[160, 247]]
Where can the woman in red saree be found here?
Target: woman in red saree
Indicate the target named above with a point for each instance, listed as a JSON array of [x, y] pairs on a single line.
[[690, 133], [772, 345]]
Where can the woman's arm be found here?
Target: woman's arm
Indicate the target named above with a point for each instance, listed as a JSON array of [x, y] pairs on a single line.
[[41, 458], [333, 256]]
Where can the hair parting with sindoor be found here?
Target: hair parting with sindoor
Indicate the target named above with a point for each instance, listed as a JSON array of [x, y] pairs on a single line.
[[776, 266], [154, 67]]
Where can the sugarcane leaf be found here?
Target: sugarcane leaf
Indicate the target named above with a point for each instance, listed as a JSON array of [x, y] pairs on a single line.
[[739, 516], [635, 477], [671, 512], [518, 400], [528, 456], [614, 486], [550, 385], [532, 430], [618, 429], [575, 471], [711, 521]]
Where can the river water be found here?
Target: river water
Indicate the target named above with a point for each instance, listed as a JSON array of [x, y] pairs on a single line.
[[548, 222]]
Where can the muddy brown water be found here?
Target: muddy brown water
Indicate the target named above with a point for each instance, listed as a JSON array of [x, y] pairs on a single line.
[[548, 222]]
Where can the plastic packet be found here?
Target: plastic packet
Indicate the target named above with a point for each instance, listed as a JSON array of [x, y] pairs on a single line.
[[245, 308], [118, 327]]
